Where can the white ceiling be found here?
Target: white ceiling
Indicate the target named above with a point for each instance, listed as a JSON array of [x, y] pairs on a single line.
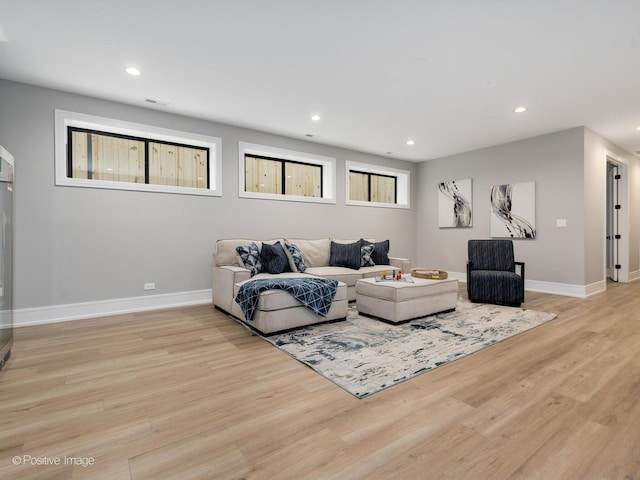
[[446, 74]]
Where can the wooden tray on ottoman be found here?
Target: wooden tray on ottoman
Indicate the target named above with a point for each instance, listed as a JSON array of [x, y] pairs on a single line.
[[429, 274]]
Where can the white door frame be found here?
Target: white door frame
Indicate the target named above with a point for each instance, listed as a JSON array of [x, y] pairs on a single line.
[[612, 220], [623, 217]]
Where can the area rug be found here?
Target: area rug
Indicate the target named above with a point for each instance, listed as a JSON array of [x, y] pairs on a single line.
[[364, 356]]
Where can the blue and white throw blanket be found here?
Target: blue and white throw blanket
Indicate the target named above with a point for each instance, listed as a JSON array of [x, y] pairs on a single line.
[[315, 293]]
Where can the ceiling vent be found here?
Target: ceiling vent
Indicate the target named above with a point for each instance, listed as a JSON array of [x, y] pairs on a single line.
[[156, 102]]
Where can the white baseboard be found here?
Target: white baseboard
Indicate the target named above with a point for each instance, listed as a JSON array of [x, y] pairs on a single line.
[[565, 289], [597, 287], [633, 276], [61, 313]]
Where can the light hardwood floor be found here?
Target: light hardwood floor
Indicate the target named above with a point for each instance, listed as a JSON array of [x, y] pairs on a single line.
[[188, 393]]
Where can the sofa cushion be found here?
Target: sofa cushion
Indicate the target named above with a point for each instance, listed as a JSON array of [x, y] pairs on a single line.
[[342, 274], [273, 258], [380, 254], [316, 253], [250, 256], [296, 260], [376, 270], [226, 253], [345, 255]]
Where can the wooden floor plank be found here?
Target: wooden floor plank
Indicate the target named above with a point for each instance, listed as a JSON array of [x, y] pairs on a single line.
[[189, 393]]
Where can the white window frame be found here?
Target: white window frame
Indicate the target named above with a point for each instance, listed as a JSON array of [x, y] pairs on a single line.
[[64, 119], [328, 165], [403, 184]]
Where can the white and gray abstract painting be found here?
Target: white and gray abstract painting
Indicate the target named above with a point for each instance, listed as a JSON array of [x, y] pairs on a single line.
[[454, 204], [513, 210]]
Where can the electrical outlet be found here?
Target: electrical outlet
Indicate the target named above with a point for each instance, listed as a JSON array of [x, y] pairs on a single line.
[[149, 286]]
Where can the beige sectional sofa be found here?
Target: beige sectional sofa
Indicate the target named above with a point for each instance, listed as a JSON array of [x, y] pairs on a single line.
[[277, 310]]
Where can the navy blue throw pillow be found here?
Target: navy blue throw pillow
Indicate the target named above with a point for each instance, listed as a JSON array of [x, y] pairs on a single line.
[[380, 255], [250, 256], [346, 255], [296, 254], [273, 258]]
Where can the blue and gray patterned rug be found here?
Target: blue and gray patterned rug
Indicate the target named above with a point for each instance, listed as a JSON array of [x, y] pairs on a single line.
[[365, 356]]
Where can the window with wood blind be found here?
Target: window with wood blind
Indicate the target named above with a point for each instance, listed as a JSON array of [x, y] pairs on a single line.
[[372, 185], [282, 177], [106, 153], [278, 174]]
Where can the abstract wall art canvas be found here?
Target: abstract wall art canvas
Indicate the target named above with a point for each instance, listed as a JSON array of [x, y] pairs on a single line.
[[513, 210], [454, 204]]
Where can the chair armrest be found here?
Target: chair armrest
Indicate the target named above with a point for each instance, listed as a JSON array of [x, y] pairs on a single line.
[[403, 264], [521, 265]]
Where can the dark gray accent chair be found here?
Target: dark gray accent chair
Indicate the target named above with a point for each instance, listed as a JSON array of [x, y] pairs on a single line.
[[491, 273]]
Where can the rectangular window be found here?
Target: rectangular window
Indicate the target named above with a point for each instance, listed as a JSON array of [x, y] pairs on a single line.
[[282, 177], [372, 185], [95, 155], [278, 174], [104, 153]]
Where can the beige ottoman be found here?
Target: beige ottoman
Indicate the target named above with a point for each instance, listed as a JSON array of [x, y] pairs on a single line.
[[397, 302]]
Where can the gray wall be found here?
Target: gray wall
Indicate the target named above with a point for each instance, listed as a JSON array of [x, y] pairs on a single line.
[[568, 168], [78, 245], [554, 162]]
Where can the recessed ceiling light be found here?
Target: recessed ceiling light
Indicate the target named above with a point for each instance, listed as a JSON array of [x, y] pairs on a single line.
[[638, 129], [410, 142], [315, 118], [520, 109], [133, 71]]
